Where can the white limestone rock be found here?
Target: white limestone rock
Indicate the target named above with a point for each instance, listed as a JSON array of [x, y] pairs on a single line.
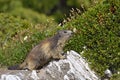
[[74, 67]]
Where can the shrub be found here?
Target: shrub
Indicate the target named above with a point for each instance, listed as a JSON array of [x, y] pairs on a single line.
[[58, 8], [55, 8], [16, 8], [32, 16], [18, 36], [98, 29]]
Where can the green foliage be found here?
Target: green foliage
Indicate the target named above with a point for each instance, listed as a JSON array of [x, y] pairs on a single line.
[[4, 5], [58, 7], [99, 30], [10, 25], [31, 16], [9, 28], [18, 36], [116, 77], [16, 8], [55, 8], [8, 5], [82, 3], [40, 5]]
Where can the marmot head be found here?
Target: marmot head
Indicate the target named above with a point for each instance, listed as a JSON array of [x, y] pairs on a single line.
[[64, 34]]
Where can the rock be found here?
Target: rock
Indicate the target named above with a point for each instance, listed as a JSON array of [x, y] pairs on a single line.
[[107, 75], [74, 67]]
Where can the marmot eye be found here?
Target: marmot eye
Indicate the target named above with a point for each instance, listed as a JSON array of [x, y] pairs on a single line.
[[65, 31]]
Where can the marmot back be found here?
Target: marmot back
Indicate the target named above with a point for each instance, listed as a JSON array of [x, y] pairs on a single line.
[[47, 50]]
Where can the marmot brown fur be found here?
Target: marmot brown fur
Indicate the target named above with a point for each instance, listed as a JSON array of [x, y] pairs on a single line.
[[46, 51]]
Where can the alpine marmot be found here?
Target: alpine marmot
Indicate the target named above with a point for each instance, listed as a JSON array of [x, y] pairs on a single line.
[[48, 49]]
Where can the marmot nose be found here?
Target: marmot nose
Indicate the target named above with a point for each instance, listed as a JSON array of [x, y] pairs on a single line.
[[71, 33]]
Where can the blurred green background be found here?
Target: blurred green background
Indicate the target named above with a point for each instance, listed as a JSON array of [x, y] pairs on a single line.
[[24, 23], [34, 8]]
